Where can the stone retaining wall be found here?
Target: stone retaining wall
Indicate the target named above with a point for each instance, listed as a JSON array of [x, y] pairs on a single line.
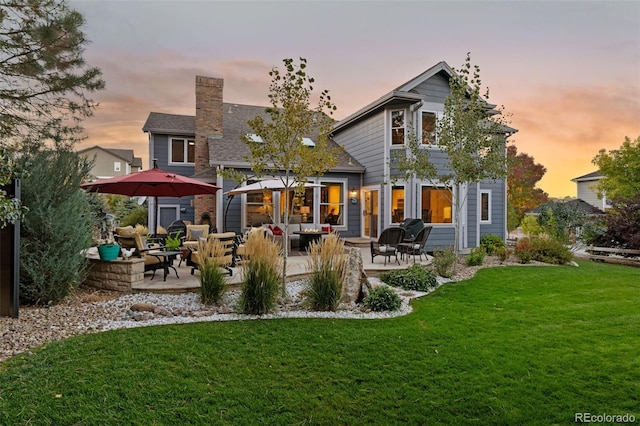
[[118, 275]]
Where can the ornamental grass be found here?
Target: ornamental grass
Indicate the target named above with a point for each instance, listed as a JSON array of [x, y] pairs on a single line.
[[212, 282], [326, 262], [262, 275]]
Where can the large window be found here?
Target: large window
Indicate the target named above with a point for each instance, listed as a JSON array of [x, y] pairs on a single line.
[[485, 206], [259, 208], [300, 206], [332, 207], [397, 127], [428, 128], [436, 205], [182, 151], [397, 204]]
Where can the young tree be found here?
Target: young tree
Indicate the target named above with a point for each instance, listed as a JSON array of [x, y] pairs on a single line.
[[621, 170], [522, 194], [472, 137], [290, 118]]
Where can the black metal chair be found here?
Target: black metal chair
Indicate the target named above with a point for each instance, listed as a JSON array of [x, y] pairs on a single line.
[[411, 228], [416, 247], [387, 244]]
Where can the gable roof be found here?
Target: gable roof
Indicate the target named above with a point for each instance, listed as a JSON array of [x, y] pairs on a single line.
[[588, 177], [406, 94], [124, 154], [170, 124]]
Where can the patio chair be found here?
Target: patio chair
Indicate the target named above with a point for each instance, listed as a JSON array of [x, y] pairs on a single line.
[[416, 247], [387, 244], [131, 238], [411, 228], [193, 235], [228, 240]]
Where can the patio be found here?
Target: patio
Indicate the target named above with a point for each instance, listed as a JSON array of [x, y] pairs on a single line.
[[296, 268]]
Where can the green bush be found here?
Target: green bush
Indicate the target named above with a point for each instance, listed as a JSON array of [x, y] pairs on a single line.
[[491, 243], [137, 216], [476, 257], [502, 253], [542, 249], [382, 299], [57, 227], [416, 277], [443, 262]]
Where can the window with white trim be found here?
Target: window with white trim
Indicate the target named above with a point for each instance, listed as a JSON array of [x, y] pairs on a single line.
[[398, 127], [182, 151], [117, 166], [332, 203], [428, 128], [436, 205], [485, 206]]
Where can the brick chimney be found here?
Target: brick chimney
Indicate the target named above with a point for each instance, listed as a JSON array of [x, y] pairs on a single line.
[[208, 126]]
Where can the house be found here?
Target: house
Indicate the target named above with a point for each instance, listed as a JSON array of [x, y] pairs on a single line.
[[587, 191], [111, 162], [201, 145], [376, 132], [358, 190]]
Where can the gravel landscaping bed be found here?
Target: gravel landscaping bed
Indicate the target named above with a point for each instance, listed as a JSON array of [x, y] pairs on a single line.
[[88, 310]]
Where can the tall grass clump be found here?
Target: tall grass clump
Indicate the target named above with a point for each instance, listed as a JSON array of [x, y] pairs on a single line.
[[262, 275], [444, 261], [212, 282], [326, 262]]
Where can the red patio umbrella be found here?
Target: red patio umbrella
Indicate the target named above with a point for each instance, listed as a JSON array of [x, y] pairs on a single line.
[[151, 183]]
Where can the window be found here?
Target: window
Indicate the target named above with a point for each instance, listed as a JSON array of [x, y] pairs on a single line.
[[182, 151], [300, 206], [259, 208], [117, 166], [397, 127], [485, 206], [397, 204], [436, 205], [255, 138], [332, 203], [428, 128]]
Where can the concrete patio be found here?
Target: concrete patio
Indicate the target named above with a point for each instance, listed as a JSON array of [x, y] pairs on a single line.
[[296, 268]]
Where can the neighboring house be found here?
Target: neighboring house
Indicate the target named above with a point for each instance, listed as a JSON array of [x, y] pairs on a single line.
[[372, 134], [111, 162], [358, 189], [200, 146], [588, 192], [575, 204]]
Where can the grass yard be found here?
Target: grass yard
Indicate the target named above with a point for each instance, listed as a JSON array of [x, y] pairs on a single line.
[[514, 345]]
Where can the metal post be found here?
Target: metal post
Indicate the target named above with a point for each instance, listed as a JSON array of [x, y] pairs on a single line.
[[10, 260]]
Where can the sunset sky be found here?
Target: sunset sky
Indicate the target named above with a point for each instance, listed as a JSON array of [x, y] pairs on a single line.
[[567, 72]]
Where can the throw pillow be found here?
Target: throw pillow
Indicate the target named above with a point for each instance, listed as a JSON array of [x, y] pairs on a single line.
[[195, 234], [276, 230]]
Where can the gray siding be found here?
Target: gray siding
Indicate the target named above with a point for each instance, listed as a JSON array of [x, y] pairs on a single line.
[[435, 89], [365, 142], [498, 218]]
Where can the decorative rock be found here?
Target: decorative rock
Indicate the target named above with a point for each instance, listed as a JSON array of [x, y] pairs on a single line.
[[356, 284], [143, 307], [160, 310]]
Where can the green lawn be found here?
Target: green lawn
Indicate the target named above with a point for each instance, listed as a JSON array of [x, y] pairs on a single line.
[[517, 345]]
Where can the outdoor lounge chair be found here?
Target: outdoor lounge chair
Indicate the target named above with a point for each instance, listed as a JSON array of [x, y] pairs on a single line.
[[416, 247], [225, 261], [127, 237], [193, 235], [387, 244]]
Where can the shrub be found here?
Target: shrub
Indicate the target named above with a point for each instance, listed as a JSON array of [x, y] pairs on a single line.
[[416, 277], [524, 250], [622, 225], [476, 257], [444, 261], [491, 243], [382, 299], [543, 249], [551, 250], [326, 262], [502, 253], [57, 227], [261, 275], [212, 282], [137, 216]]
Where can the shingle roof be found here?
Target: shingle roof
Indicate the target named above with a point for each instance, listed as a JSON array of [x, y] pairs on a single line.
[[589, 176], [230, 149], [576, 203], [172, 124]]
